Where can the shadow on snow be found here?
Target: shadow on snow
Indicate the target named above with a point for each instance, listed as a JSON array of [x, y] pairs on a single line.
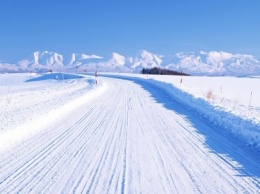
[[54, 76], [219, 137]]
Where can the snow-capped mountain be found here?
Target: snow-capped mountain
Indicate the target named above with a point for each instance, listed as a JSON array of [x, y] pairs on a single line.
[[200, 63], [216, 63], [44, 61], [144, 59], [40, 61], [80, 59]]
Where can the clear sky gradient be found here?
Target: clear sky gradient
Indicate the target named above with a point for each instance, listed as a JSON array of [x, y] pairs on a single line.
[[126, 26]]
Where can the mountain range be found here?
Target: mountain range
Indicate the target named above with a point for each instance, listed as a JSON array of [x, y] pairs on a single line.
[[212, 63]]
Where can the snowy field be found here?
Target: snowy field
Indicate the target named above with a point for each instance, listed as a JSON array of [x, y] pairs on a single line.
[[62, 133]]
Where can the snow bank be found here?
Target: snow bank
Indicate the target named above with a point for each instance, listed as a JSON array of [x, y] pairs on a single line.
[[241, 128], [28, 107]]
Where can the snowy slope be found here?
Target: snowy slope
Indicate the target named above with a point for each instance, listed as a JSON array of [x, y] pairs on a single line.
[[79, 59], [144, 59], [42, 61], [212, 63], [115, 63], [124, 135], [10, 68]]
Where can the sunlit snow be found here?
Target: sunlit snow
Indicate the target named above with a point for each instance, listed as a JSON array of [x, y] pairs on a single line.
[[127, 133]]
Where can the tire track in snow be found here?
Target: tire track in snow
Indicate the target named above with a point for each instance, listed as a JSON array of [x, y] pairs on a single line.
[[25, 168], [213, 163]]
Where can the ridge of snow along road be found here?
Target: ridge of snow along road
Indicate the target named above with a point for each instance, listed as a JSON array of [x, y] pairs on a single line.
[[36, 105], [246, 128]]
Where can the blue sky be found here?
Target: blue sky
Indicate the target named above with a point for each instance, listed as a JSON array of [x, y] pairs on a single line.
[[126, 26]]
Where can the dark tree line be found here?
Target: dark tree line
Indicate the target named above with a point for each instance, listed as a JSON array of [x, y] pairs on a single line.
[[160, 71]]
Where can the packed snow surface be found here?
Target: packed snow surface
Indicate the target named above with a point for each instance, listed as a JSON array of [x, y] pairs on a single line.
[[63, 133]]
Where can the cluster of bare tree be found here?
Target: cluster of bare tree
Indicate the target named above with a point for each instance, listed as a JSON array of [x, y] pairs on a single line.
[[160, 71]]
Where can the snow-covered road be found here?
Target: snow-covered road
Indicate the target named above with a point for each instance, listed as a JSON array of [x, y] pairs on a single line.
[[132, 138]]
